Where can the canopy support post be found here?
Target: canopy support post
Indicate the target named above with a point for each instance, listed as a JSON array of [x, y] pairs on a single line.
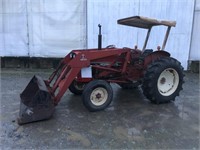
[[166, 37], [146, 40]]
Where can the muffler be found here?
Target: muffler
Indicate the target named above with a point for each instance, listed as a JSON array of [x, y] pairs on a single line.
[[36, 102]]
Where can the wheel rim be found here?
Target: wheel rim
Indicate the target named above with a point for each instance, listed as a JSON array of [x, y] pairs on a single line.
[[168, 82], [99, 96]]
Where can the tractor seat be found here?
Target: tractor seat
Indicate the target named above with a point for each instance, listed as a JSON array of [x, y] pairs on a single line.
[[146, 52]]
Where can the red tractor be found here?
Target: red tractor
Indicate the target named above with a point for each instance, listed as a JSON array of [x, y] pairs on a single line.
[[90, 72]]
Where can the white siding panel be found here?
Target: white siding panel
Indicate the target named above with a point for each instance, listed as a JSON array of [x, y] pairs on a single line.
[[195, 44], [42, 28], [13, 28], [56, 27], [107, 13], [197, 5]]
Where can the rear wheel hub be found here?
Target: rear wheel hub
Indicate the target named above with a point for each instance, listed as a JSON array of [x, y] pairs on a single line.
[[168, 82]]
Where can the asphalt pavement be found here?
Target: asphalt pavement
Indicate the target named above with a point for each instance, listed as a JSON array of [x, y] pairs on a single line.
[[130, 122]]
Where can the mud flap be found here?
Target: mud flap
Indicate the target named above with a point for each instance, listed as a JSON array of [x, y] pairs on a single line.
[[36, 102]]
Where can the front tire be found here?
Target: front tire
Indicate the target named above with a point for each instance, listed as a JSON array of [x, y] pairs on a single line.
[[97, 95], [163, 80]]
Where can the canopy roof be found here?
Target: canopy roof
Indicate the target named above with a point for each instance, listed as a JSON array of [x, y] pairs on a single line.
[[144, 22]]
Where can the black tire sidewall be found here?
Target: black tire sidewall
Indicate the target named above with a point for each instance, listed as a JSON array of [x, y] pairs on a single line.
[[74, 90], [150, 87], [159, 96], [89, 89]]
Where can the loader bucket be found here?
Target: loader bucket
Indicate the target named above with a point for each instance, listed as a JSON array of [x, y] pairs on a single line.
[[36, 102]]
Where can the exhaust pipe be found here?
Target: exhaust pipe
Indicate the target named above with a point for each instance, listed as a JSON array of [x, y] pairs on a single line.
[[99, 38]]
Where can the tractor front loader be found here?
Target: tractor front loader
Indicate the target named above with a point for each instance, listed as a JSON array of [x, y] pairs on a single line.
[[90, 72]]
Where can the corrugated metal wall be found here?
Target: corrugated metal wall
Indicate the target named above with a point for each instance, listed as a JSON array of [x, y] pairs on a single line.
[[195, 44], [107, 12]]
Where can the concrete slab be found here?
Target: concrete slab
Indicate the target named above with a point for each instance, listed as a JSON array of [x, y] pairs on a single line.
[[130, 122]]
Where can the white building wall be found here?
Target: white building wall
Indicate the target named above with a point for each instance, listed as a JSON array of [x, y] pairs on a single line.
[[13, 28], [42, 28], [195, 42], [52, 28], [56, 27], [108, 12]]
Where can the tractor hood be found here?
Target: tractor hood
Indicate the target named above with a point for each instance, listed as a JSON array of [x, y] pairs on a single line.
[[144, 22]]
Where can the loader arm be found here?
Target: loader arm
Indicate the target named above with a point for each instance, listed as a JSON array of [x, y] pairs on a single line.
[[71, 66]]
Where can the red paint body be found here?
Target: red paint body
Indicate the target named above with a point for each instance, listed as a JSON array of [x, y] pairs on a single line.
[[111, 64]]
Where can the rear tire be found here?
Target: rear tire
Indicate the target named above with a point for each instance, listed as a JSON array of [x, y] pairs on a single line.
[[97, 95], [163, 80]]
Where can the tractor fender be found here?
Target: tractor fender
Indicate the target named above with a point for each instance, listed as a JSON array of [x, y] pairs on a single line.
[[154, 56]]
